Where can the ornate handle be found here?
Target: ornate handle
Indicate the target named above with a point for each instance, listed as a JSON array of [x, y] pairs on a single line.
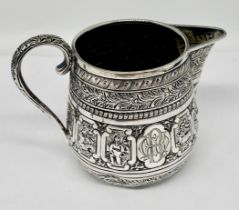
[[62, 68]]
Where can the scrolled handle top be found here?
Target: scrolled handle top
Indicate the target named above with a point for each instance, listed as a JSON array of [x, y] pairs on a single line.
[[46, 39], [63, 68]]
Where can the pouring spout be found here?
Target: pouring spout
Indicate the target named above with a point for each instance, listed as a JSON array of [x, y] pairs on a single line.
[[200, 39], [201, 36]]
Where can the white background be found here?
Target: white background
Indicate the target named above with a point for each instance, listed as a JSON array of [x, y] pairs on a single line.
[[38, 170]]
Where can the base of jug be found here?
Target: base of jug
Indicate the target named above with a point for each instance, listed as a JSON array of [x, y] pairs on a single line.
[[134, 179]]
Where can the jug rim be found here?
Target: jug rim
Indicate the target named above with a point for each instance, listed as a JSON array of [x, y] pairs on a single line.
[[138, 73]]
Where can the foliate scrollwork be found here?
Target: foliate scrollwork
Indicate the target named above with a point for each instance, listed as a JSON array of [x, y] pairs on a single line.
[[118, 148], [129, 101], [117, 180], [198, 58]]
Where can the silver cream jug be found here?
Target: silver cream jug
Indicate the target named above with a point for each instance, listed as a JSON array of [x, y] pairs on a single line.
[[132, 114]]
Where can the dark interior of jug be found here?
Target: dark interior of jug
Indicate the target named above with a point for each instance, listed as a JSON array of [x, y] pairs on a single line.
[[129, 46]]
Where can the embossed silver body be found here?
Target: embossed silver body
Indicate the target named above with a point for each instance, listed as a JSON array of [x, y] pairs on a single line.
[[130, 128]]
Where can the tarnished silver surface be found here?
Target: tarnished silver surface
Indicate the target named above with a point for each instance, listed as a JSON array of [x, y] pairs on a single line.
[[129, 128]]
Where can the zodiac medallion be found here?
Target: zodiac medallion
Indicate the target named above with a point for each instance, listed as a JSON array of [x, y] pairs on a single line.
[[118, 148], [87, 138]]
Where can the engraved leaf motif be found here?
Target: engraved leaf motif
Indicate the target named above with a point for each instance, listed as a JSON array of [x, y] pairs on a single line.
[[131, 100]]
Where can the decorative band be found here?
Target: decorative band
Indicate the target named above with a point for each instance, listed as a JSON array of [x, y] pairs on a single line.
[[133, 174], [133, 149], [132, 84], [131, 115]]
